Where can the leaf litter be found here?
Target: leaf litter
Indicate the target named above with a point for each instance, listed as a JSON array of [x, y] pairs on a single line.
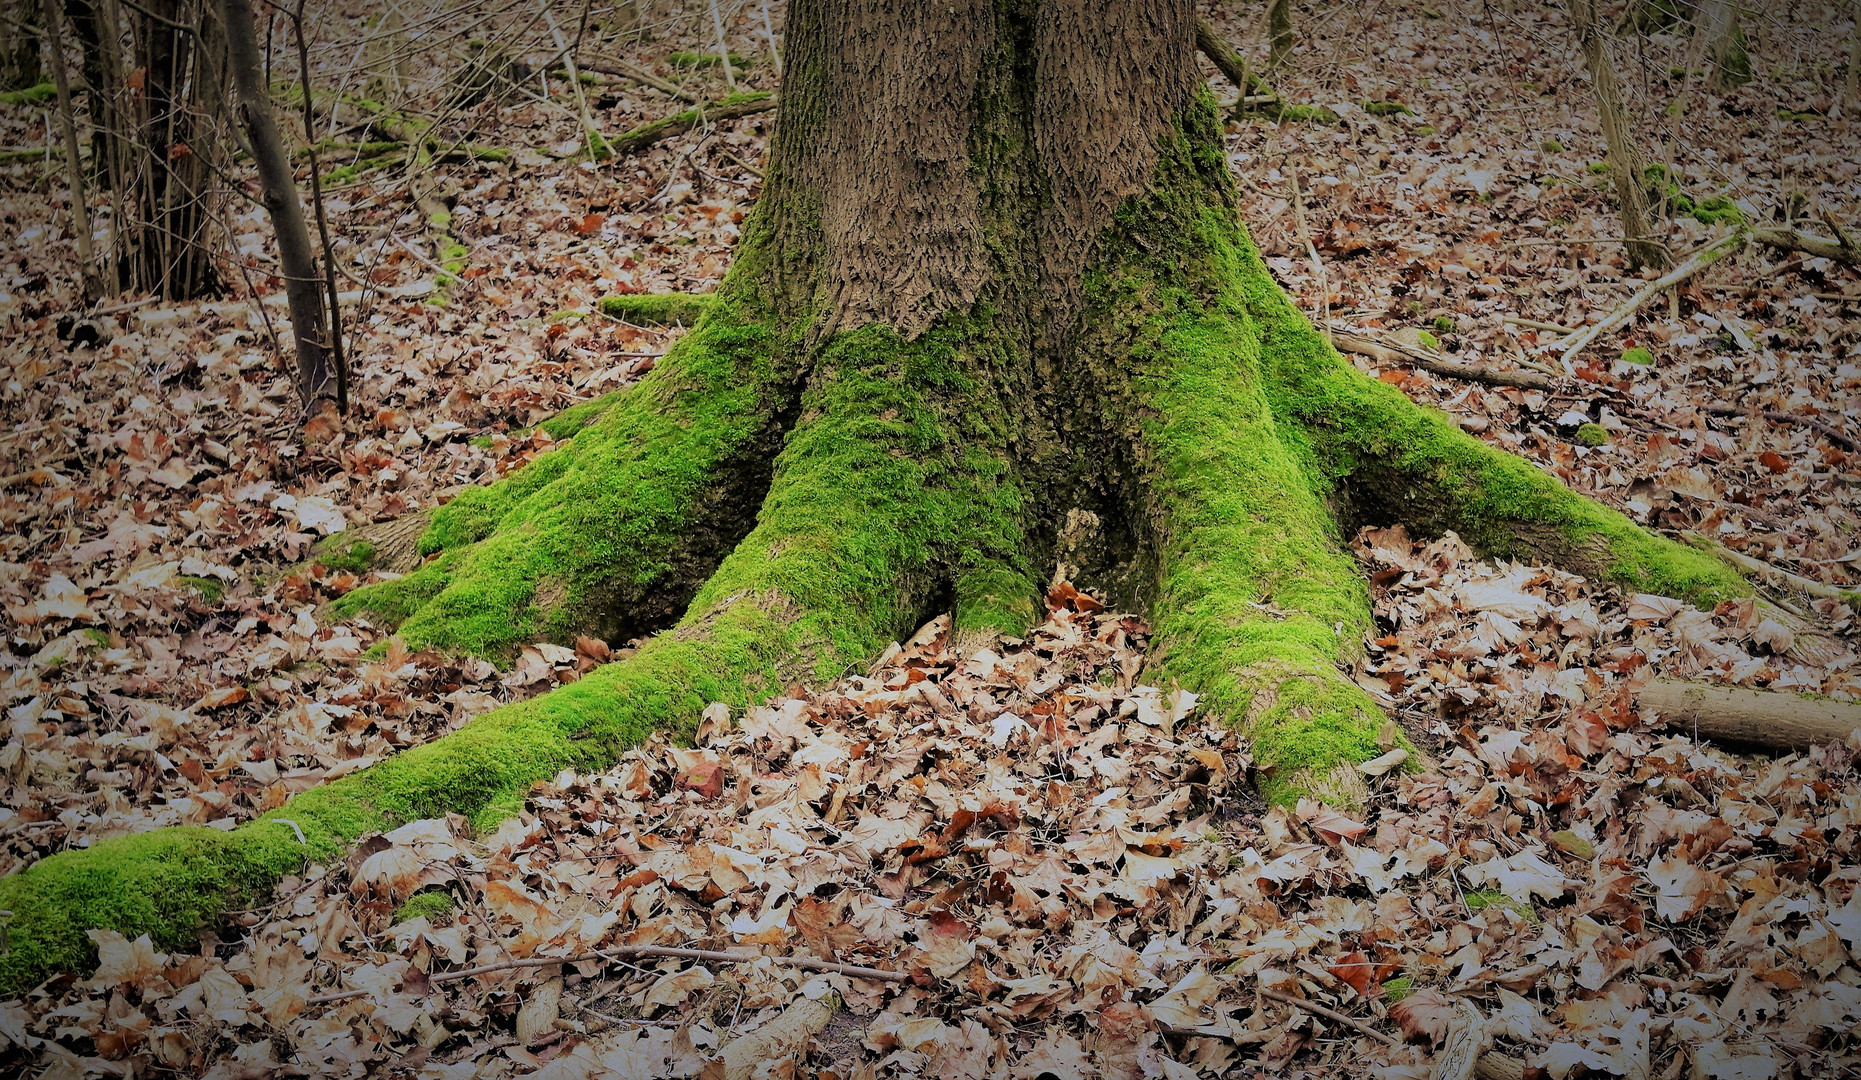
[[1068, 867]]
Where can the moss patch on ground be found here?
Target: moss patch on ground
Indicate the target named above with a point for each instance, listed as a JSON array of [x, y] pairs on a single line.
[[432, 906]]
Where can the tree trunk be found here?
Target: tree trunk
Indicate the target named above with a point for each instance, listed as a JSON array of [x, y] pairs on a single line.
[[1851, 84], [1644, 245], [1279, 32], [170, 253], [995, 309], [304, 287], [1719, 45], [19, 46]]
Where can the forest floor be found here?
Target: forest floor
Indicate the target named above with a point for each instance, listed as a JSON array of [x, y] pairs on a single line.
[[1067, 863]]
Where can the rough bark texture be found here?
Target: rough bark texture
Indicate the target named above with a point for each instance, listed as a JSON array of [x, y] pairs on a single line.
[[19, 47], [1626, 165], [1279, 30], [911, 395], [303, 286]]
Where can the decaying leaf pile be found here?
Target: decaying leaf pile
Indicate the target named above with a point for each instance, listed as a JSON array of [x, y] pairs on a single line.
[[1068, 866]]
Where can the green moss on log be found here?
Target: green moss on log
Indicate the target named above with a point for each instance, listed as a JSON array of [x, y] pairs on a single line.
[[31, 95], [657, 309]]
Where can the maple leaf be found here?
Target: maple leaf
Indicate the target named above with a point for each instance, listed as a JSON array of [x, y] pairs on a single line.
[[1424, 1015], [1523, 876], [1682, 888], [121, 961]]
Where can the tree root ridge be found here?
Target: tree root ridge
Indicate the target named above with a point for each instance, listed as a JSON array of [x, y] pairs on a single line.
[[786, 501]]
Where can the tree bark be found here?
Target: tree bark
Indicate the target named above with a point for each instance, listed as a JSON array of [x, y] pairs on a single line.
[[1644, 245], [19, 47], [304, 287], [74, 166], [168, 187], [1279, 30]]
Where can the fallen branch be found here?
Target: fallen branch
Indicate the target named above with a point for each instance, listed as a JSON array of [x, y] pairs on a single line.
[[1691, 265], [646, 135], [651, 952], [1765, 717], [1851, 597], [1834, 433], [1808, 243], [1256, 94], [623, 70], [1388, 352], [1328, 1013]]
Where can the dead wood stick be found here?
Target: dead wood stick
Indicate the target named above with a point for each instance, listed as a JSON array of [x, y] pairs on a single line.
[[1691, 265], [1821, 247], [1330, 1014], [782, 1037], [1394, 352], [622, 69], [1851, 597], [635, 952], [1766, 717], [632, 142], [1534, 324], [1834, 433]]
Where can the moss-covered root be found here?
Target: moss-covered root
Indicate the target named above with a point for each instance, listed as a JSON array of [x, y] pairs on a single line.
[[1388, 459], [1261, 610], [882, 505], [610, 534]]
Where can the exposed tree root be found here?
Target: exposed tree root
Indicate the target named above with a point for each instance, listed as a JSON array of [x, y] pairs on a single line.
[[612, 533], [782, 497]]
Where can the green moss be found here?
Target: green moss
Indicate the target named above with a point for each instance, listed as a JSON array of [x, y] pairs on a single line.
[[1425, 130], [1428, 340], [1599, 168], [657, 309], [1387, 108], [209, 589], [97, 637], [1592, 435], [587, 536], [1289, 113], [1551, 146], [647, 134], [1797, 116], [1393, 460], [1397, 988], [1717, 209], [433, 906], [348, 553], [32, 95], [1637, 355], [1490, 898], [567, 423], [692, 61], [1258, 605]]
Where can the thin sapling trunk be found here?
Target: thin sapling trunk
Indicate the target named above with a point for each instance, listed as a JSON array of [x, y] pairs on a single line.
[[1644, 244], [303, 286]]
